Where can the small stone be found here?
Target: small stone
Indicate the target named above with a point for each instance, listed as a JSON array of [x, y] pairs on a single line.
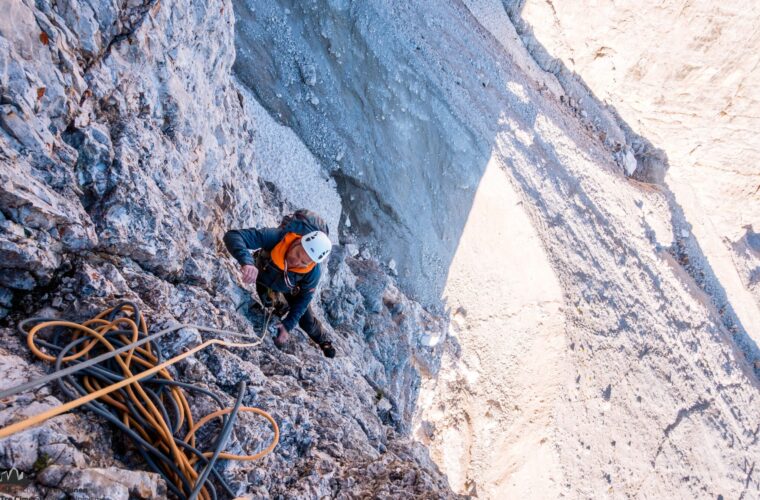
[[352, 249], [179, 341], [392, 266], [17, 278], [429, 340], [629, 162], [384, 405], [309, 74]]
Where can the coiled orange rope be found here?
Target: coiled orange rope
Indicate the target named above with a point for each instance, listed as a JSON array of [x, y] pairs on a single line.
[[151, 412]]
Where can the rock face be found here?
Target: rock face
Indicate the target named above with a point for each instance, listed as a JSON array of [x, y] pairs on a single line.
[[689, 86], [648, 325], [488, 409], [127, 150], [361, 88]]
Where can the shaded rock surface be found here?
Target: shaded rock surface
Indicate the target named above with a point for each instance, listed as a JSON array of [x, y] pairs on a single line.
[[361, 88]]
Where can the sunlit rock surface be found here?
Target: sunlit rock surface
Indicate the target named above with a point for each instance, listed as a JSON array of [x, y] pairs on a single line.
[[684, 75]]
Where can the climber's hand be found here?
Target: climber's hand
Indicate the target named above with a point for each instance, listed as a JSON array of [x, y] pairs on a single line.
[[249, 273]]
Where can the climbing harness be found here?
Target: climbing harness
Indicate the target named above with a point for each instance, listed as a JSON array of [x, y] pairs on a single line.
[[116, 371]]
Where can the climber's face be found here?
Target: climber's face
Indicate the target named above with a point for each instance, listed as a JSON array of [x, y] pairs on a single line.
[[296, 256]]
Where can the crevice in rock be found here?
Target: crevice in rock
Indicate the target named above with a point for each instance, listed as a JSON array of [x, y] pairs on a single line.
[[25, 303], [140, 12], [698, 407]]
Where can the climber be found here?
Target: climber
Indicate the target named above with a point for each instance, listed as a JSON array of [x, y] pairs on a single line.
[[286, 270]]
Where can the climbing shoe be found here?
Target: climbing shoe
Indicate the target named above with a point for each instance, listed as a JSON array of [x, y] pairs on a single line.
[[327, 349]]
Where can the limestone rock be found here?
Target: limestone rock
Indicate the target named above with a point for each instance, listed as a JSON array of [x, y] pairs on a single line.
[[109, 482]]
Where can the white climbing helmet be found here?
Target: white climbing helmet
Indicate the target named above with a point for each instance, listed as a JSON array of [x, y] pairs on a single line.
[[317, 245]]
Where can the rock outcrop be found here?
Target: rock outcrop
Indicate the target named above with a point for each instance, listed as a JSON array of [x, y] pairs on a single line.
[[361, 87], [688, 87], [128, 150]]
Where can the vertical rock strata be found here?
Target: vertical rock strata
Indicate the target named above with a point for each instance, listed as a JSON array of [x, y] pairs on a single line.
[[371, 97]]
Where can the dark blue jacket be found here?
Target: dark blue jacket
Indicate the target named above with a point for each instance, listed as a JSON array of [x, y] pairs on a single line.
[[240, 242]]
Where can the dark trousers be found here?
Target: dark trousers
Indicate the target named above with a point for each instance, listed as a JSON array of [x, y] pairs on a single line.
[[281, 304]]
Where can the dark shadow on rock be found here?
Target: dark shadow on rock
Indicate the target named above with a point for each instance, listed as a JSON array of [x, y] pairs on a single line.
[[688, 252], [406, 165]]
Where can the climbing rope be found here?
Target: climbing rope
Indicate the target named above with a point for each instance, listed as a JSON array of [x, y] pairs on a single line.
[[116, 371]]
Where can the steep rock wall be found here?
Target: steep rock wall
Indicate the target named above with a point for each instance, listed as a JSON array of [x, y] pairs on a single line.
[[108, 192], [661, 386], [367, 98], [684, 76], [127, 150]]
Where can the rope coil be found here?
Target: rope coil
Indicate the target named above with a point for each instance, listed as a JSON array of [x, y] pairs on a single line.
[[116, 371]]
